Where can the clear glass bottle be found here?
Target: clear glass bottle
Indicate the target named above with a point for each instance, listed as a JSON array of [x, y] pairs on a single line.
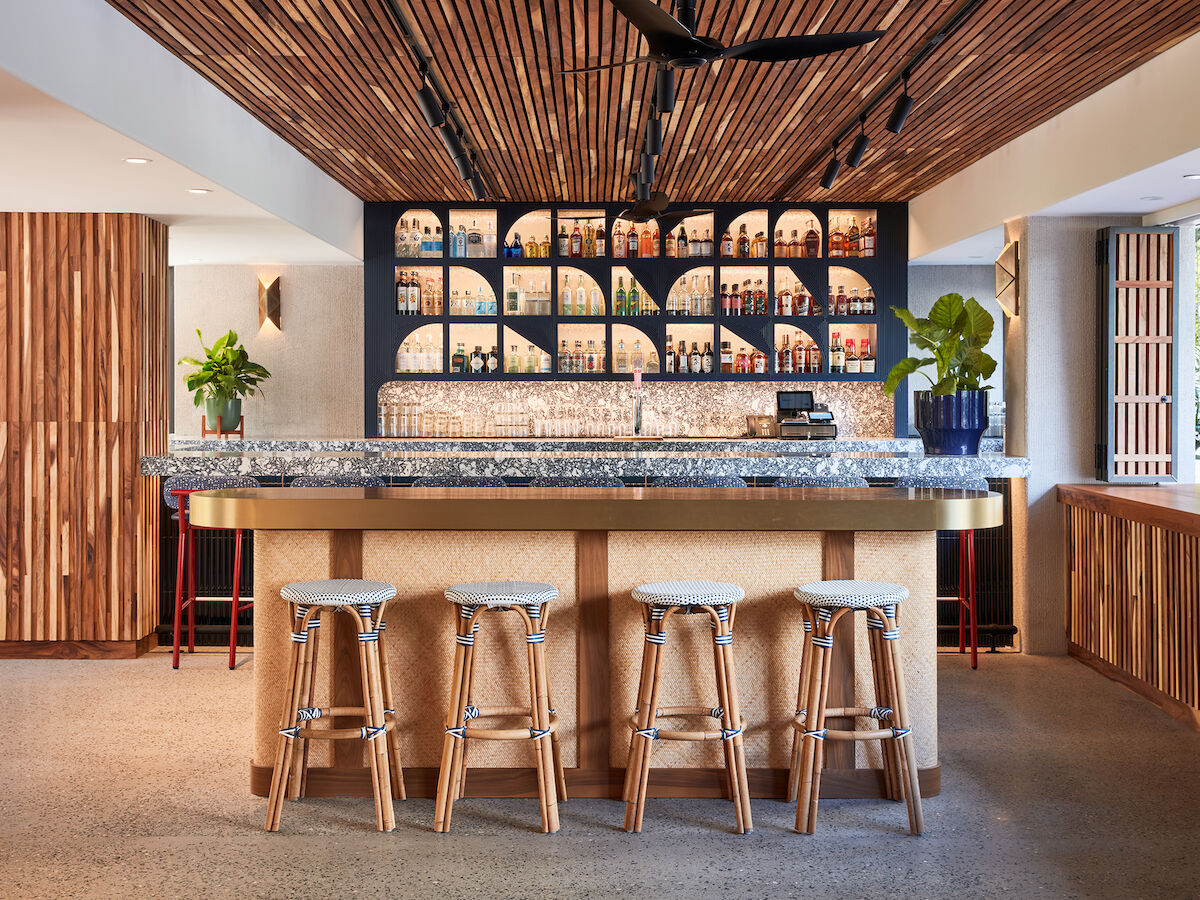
[[531, 360], [621, 359], [402, 239], [683, 361], [414, 240], [544, 363], [512, 363], [581, 298], [566, 305], [564, 358], [489, 242], [474, 241], [708, 304], [459, 247], [637, 359]]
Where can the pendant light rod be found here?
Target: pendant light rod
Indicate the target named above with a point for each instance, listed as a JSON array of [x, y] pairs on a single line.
[[952, 24]]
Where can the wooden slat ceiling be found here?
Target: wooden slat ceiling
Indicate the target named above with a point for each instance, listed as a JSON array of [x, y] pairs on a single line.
[[333, 78]]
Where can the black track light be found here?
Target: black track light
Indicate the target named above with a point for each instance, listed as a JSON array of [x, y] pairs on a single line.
[[653, 137], [904, 105], [664, 90], [831, 170], [465, 166], [431, 105], [643, 190], [859, 147], [478, 191], [452, 142], [647, 173]]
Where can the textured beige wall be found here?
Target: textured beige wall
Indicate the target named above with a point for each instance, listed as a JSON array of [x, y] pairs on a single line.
[[316, 358]]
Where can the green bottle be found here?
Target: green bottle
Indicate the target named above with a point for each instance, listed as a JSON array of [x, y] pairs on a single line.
[[634, 302], [619, 308]]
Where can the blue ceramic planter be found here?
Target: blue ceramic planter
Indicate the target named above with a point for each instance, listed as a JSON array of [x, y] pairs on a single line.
[[950, 425]]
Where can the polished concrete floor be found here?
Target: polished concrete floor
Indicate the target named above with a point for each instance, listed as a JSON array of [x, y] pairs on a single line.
[[128, 779]]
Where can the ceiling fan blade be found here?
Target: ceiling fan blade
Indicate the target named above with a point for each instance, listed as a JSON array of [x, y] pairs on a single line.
[[658, 202], [803, 46], [613, 65], [657, 26]]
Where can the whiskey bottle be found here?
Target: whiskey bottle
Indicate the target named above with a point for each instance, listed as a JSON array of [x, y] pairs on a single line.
[[801, 301], [544, 247], [837, 355], [512, 363], [564, 358], [812, 241], [682, 360], [854, 305], [842, 301], [814, 358], [695, 246], [853, 366], [852, 238], [564, 242], [743, 243], [760, 298], [735, 300], [783, 302], [621, 359], [631, 242], [682, 249], [706, 245], [618, 241], [799, 356], [868, 304], [696, 363], [795, 249], [601, 244], [866, 359], [783, 364], [726, 300], [727, 248], [576, 246], [832, 303], [669, 250], [669, 357], [758, 362], [619, 303], [780, 244], [759, 246], [706, 361], [741, 362], [726, 358], [868, 238], [837, 241]]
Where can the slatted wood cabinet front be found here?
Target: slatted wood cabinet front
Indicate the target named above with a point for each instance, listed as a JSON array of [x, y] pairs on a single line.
[[83, 338]]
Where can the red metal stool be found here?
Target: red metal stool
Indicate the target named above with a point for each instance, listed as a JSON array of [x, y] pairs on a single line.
[[175, 492]]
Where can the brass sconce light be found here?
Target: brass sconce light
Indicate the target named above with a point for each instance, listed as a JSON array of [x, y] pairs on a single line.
[[1007, 271], [268, 303]]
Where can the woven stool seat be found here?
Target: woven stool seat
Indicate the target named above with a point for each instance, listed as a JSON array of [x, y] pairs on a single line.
[[338, 592], [501, 593], [850, 594], [688, 593]]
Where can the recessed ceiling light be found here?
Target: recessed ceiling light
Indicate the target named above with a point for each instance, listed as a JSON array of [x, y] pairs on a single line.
[[975, 256], [1151, 197], [137, 160], [1194, 176], [199, 191]]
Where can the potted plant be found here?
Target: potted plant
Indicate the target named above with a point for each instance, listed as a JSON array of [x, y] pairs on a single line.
[[222, 379], [951, 417]]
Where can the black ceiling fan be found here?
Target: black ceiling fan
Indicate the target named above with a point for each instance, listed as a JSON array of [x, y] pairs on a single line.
[[652, 208], [672, 41]]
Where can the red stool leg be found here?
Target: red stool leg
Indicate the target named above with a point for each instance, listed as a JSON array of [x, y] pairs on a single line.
[[971, 606], [191, 547], [180, 556], [237, 586], [962, 591]]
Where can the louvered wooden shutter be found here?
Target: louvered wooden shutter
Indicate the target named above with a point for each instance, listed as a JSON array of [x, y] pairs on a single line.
[[1139, 362]]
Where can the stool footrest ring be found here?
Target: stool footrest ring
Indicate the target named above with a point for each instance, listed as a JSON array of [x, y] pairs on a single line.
[[663, 734], [502, 734], [338, 734]]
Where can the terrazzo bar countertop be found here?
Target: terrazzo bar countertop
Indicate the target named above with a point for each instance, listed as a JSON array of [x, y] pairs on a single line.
[[400, 459]]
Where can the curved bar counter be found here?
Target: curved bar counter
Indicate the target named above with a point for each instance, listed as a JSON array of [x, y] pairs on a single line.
[[595, 545]]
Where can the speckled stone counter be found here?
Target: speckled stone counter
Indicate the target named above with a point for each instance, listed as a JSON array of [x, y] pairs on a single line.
[[400, 460]]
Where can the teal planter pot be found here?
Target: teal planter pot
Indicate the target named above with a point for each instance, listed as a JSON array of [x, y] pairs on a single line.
[[223, 415]]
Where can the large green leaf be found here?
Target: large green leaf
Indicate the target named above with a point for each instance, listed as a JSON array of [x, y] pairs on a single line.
[[902, 370], [946, 311], [979, 323], [947, 385]]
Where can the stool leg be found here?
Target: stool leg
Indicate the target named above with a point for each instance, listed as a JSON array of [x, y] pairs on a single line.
[[908, 771], [237, 588], [560, 775], [191, 541], [304, 681], [971, 605], [394, 766], [458, 764], [180, 559], [283, 747], [812, 754], [541, 719], [314, 641], [723, 703], [883, 697], [632, 758], [373, 701], [801, 698], [455, 719], [383, 798], [733, 717], [962, 592], [643, 773]]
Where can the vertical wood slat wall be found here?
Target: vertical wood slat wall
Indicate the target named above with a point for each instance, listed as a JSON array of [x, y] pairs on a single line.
[[1133, 610], [83, 369], [1138, 403]]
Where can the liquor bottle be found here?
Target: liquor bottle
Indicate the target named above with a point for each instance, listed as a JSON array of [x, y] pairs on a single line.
[[743, 243], [741, 362], [646, 244], [631, 242], [669, 250], [637, 359], [458, 362], [401, 294], [799, 356], [544, 363], [852, 238], [801, 301], [681, 244], [842, 301], [696, 362], [837, 241], [581, 298], [783, 302], [439, 293], [489, 241], [726, 300], [708, 304], [474, 241], [655, 245], [854, 305], [589, 241], [758, 362], [832, 303], [706, 361], [402, 239], [812, 241], [564, 242], [837, 355], [565, 306], [868, 238], [600, 240], [414, 239], [427, 244], [726, 358], [508, 247], [544, 247], [602, 358], [814, 358], [564, 358], [866, 359], [576, 245], [618, 242], [428, 298], [437, 241], [633, 300], [706, 245], [780, 244], [531, 360], [403, 358], [597, 301], [652, 362], [758, 247], [513, 298], [512, 363], [673, 298], [853, 365], [455, 304], [783, 362], [735, 300], [620, 308], [477, 361], [868, 303], [669, 357], [760, 298], [621, 359], [692, 301], [577, 359], [794, 248], [727, 244], [589, 357], [682, 360], [459, 247], [493, 361], [544, 303]]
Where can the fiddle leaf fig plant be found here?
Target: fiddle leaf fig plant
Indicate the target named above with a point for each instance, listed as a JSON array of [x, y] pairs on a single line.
[[952, 338], [226, 372]]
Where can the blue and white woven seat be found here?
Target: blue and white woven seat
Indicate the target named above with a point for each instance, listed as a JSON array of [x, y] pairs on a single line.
[[852, 594], [944, 482], [688, 593], [831, 481], [698, 481], [428, 481], [552, 481], [321, 481], [203, 483], [338, 592], [501, 593]]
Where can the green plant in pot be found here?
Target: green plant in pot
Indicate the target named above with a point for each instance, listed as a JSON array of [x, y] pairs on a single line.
[[222, 379], [951, 417]]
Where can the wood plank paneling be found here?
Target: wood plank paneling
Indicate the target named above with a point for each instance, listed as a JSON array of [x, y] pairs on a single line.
[[83, 313], [332, 78]]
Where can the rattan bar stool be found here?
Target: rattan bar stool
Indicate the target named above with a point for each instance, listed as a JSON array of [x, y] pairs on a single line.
[[530, 601], [364, 601], [659, 602], [823, 605]]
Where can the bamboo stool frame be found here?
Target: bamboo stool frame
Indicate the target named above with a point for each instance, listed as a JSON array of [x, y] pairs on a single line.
[[808, 743], [452, 774], [379, 729], [645, 731]]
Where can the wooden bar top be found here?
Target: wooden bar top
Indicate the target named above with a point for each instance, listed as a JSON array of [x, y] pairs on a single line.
[[597, 509], [1175, 507]]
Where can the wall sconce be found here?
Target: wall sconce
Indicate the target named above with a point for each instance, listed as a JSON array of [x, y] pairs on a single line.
[[268, 303], [1007, 269]]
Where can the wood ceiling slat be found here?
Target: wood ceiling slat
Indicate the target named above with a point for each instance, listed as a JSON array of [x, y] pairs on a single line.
[[332, 77]]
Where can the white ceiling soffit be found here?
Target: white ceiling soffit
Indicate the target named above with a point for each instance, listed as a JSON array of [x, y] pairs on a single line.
[[978, 250], [1141, 123], [88, 88]]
